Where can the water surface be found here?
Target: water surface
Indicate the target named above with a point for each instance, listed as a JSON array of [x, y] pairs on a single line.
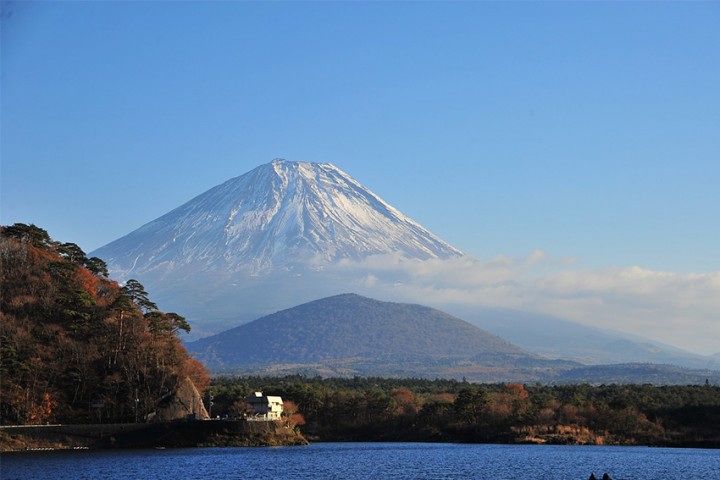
[[369, 461]]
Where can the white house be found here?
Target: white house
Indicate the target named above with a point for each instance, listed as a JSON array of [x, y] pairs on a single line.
[[265, 407]]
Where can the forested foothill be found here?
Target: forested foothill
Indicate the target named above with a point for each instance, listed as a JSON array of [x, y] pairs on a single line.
[[75, 346], [379, 409]]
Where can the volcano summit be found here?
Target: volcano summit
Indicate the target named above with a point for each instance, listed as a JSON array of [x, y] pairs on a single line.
[[261, 241]]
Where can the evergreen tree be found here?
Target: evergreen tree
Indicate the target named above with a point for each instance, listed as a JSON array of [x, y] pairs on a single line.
[[135, 291]]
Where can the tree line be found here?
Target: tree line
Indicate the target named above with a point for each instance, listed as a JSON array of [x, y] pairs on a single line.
[[75, 346], [372, 409]]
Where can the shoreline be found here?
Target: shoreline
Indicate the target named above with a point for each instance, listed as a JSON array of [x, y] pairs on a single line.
[[179, 434], [230, 433]]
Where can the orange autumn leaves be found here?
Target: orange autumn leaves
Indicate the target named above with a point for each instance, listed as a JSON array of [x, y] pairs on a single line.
[[75, 347]]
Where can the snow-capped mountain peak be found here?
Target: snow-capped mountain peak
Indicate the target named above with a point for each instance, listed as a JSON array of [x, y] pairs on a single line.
[[279, 215]]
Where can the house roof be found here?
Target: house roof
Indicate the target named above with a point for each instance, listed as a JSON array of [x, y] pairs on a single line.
[[258, 397]]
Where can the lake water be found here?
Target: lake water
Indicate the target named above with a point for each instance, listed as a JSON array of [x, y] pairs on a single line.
[[369, 461]]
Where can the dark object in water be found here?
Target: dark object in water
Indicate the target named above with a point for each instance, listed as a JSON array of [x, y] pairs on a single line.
[[604, 477]]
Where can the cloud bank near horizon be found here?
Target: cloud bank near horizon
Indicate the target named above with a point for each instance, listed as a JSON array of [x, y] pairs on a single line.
[[680, 309]]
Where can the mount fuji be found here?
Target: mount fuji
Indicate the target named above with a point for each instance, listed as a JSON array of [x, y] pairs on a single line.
[[288, 233], [264, 241]]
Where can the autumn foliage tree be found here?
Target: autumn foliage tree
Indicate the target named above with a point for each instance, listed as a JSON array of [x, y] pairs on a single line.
[[291, 415], [74, 345]]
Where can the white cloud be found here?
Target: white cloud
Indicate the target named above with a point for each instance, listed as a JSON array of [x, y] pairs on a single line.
[[681, 309], [535, 256]]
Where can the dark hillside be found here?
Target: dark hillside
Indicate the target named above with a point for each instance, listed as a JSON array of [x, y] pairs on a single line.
[[365, 336]]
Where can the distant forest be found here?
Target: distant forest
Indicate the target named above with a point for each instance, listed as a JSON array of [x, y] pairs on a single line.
[[76, 347], [380, 409]]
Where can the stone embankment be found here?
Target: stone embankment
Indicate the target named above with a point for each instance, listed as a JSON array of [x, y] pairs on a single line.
[[209, 433]]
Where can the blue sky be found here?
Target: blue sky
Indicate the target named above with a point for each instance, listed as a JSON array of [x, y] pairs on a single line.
[[588, 130]]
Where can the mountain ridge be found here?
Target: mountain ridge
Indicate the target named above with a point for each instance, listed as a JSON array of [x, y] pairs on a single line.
[[349, 334], [554, 337]]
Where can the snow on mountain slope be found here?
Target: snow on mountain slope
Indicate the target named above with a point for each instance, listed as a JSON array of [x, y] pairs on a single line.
[[279, 215]]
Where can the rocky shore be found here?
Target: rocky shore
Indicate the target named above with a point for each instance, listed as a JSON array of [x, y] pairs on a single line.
[[207, 433]]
